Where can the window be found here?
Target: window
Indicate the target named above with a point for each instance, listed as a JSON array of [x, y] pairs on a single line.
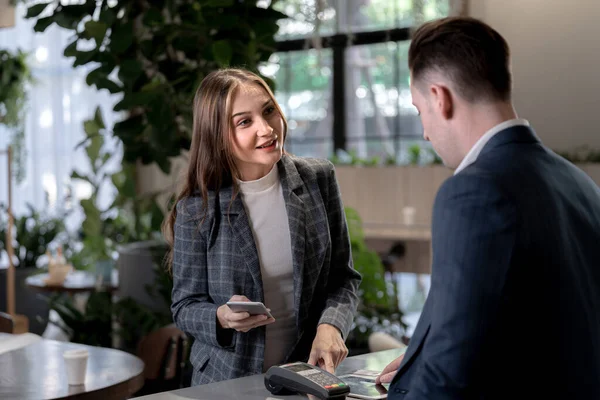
[[59, 101], [304, 93], [342, 76]]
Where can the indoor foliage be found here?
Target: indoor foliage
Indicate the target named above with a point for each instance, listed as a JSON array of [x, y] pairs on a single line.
[[154, 54], [14, 76]]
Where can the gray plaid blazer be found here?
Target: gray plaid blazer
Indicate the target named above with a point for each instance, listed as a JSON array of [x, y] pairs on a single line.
[[217, 259]]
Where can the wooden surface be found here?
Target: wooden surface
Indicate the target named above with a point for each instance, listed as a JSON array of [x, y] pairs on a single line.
[[37, 372], [6, 323], [7, 14], [10, 273], [397, 231], [10, 342], [76, 282]]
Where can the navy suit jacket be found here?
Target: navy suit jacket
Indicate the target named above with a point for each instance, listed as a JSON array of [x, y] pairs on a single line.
[[514, 306]]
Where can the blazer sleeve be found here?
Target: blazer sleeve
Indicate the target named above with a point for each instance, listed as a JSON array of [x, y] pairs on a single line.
[[343, 282], [192, 308], [474, 236]]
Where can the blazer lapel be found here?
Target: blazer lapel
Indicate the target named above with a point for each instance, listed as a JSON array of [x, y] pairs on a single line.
[[291, 184], [235, 213]]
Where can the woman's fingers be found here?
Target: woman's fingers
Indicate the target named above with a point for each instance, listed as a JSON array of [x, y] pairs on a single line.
[[251, 322]]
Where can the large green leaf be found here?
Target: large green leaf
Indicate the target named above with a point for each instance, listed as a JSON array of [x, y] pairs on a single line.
[[95, 30], [94, 147], [71, 49], [218, 3], [78, 11], [124, 184], [107, 16], [70, 16], [121, 38], [153, 16], [42, 24], [222, 52], [83, 57], [131, 100], [98, 118], [129, 71], [129, 128], [91, 128], [95, 76], [105, 83], [36, 10], [92, 223]]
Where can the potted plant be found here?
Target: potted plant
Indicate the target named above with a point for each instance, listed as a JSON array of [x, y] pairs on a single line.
[[127, 219], [14, 77], [33, 234], [378, 309]]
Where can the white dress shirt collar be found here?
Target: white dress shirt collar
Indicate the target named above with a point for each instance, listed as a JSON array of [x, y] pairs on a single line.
[[472, 155]]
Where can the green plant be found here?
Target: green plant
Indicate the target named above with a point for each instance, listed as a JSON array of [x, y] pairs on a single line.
[[92, 326], [154, 54], [33, 233], [14, 77], [436, 158], [582, 154], [136, 320], [351, 158], [128, 218], [414, 154], [96, 245], [378, 302]]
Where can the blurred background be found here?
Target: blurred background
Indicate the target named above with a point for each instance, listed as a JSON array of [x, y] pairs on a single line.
[[96, 102]]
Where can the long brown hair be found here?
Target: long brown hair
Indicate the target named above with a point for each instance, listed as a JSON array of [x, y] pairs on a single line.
[[211, 163]]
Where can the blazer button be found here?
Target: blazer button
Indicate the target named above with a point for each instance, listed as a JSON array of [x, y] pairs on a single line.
[[401, 391]]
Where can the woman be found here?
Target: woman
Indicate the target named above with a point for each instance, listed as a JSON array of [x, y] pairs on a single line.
[[255, 224]]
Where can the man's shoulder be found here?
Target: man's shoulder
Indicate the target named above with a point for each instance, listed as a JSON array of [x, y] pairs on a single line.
[[473, 177]]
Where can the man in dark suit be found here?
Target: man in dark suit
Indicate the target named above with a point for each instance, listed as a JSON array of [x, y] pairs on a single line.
[[514, 306]]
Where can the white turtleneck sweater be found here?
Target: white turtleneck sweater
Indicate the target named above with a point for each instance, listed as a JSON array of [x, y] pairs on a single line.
[[265, 206]]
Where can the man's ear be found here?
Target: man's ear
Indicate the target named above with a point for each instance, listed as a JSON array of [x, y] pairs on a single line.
[[442, 100]]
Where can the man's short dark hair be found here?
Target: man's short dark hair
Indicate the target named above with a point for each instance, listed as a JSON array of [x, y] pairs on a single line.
[[471, 53]]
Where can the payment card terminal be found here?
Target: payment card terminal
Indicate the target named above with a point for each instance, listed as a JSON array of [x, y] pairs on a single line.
[[300, 377]]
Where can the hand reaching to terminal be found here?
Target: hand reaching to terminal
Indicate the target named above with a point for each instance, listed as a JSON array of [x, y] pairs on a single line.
[[328, 348]]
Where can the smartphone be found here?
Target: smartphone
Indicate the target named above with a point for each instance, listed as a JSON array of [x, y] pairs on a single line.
[[363, 387], [251, 307]]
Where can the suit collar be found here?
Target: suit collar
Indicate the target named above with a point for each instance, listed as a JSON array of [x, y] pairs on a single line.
[[515, 134], [488, 137], [472, 155]]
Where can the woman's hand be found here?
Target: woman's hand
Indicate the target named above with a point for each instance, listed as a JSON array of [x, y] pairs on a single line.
[[240, 321], [328, 348]]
